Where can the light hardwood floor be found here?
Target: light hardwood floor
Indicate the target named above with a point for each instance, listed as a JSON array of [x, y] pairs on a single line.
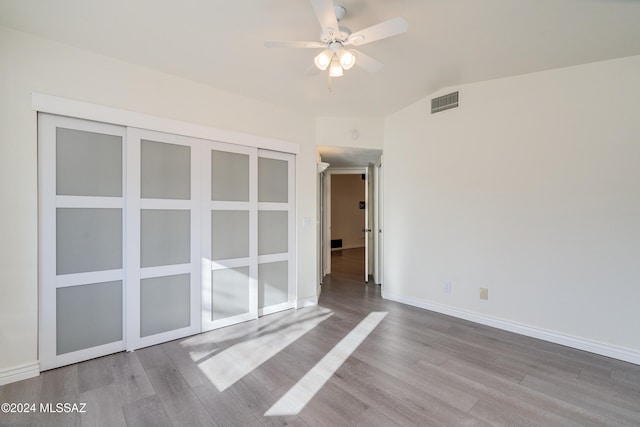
[[415, 368]]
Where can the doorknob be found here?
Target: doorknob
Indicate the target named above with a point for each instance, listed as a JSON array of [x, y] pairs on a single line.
[[366, 230]]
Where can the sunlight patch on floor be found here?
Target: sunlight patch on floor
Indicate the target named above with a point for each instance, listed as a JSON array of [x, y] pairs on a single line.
[[230, 365], [304, 390]]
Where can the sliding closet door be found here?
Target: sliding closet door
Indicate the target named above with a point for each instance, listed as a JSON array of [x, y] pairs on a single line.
[[229, 285], [163, 237], [276, 232], [147, 237], [81, 257]]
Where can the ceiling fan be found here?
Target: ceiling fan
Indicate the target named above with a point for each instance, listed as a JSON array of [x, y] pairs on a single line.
[[338, 41]]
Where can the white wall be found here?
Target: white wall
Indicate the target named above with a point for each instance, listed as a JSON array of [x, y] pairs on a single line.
[[336, 131], [530, 188], [29, 64]]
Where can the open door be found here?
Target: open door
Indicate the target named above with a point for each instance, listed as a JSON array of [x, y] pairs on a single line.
[[366, 230], [377, 222]]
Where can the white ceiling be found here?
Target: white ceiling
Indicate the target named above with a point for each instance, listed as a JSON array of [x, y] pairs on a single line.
[[449, 42], [346, 157]]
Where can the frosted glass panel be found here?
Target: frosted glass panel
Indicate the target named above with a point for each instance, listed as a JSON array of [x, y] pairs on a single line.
[[88, 316], [273, 283], [229, 234], [88, 163], [273, 233], [229, 292], [273, 183], [229, 176], [165, 237], [88, 240], [165, 171], [165, 304]]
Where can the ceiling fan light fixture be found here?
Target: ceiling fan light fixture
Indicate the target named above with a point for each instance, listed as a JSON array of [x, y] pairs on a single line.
[[347, 59], [323, 59], [335, 69]]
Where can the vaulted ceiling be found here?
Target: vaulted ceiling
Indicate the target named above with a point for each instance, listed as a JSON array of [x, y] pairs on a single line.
[[449, 42]]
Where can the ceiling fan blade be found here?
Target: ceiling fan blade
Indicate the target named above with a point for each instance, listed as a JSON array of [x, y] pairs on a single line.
[[326, 15], [366, 62], [285, 43], [385, 29]]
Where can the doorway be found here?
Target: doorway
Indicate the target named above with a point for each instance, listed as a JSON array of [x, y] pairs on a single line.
[[347, 236]]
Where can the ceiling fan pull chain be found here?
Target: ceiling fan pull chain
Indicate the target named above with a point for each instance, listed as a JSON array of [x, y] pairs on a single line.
[[329, 83]]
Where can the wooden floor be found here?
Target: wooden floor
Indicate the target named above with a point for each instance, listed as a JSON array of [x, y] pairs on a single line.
[[415, 368]]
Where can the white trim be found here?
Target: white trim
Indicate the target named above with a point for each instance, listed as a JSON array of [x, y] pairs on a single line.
[[266, 259], [82, 355], [165, 270], [276, 308], [348, 171], [608, 350], [228, 321], [46, 237], [84, 110], [171, 335], [364, 170], [65, 280], [273, 206], [19, 373], [230, 263], [89, 202], [132, 236], [167, 204], [306, 302], [229, 206], [378, 219]]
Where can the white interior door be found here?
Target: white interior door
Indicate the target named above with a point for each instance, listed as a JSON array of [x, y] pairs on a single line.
[[276, 232], [81, 259], [230, 243], [367, 229], [163, 237], [377, 221]]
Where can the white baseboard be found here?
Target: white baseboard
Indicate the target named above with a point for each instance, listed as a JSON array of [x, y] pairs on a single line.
[[18, 373], [307, 302], [608, 350]]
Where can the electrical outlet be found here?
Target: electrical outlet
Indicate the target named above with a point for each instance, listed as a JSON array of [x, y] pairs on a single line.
[[446, 287], [484, 293]]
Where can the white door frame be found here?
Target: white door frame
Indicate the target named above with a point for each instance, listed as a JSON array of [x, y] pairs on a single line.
[[327, 219], [377, 222]]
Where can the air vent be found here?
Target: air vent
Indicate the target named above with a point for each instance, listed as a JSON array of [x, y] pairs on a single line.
[[444, 102]]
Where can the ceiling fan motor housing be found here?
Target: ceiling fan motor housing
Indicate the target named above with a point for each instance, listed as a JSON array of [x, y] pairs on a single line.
[[329, 35]]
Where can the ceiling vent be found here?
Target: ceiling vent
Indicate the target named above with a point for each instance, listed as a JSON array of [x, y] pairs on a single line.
[[444, 102]]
